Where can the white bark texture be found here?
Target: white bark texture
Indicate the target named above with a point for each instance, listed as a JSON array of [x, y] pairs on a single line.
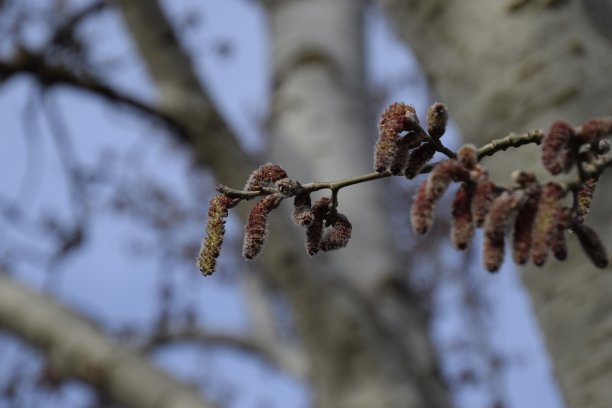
[[76, 348], [360, 324], [513, 66]]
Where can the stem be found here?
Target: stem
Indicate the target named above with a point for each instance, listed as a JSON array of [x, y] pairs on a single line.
[[497, 145]]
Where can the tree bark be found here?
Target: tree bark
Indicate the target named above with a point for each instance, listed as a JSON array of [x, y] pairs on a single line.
[[362, 327], [514, 66], [76, 348]]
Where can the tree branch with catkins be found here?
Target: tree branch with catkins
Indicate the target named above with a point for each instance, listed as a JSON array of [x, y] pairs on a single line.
[[533, 211]]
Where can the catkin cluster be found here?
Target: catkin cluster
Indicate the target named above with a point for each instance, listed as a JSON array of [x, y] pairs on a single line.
[[403, 146], [326, 228], [533, 215]]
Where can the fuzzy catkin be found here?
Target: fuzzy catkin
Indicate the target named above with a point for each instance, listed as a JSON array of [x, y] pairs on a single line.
[[442, 175], [544, 223], [484, 195], [591, 244], [302, 213], [339, 234], [264, 176], [585, 195], [397, 118], [558, 152], [215, 230], [523, 225], [314, 232], [422, 211], [256, 229], [462, 228], [495, 228]]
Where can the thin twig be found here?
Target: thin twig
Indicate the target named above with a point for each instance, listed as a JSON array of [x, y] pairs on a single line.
[[512, 140]]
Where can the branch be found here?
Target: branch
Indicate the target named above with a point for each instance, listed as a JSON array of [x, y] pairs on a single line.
[[497, 145], [49, 74], [76, 348], [286, 358]]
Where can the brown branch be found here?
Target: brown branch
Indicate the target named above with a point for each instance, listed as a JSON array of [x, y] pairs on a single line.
[[76, 348], [512, 140], [49, 74]]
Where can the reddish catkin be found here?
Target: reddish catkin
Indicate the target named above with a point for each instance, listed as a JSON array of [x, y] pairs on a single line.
[[495, 228], [339, 234], [594, 129], [397, 118], [484, 195], [288, 187], [256, 228], [558, 150], [215, 229], [302, 213], [558, 244], [442, 175], [437, 117], [422, 211], [585, 195], [468, 155], [591, 244], [264, 176], [462, 229], [418, 158], [314, 233], [523, 225], [545, 221]]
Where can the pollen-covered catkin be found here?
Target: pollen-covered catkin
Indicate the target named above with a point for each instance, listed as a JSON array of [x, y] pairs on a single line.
[[545, 221], [585, 195], [314, 233], [442, 175], [264, 176], [339, 234], [462, 229], [256, 228], [558, 151], [591, 244], [495, 228], [422, 211], [397, 118], [215, 229], [523, 225], [558, 244]]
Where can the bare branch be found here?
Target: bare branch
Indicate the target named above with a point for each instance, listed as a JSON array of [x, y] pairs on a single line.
[[76, 348]]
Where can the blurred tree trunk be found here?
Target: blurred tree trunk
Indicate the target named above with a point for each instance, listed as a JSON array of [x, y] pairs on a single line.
[[361, 326], [505, 66]]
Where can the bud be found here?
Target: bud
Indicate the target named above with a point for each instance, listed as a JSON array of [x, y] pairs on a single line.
[[256, 229], [462, 229], [422, 211], [302, 213], [288, 187], [339, 234], [545, 221], [314, 233], [418, 158], [558, 152], [468, 155], [437, 117], [264, 176], [215, 230], [591, 244]]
